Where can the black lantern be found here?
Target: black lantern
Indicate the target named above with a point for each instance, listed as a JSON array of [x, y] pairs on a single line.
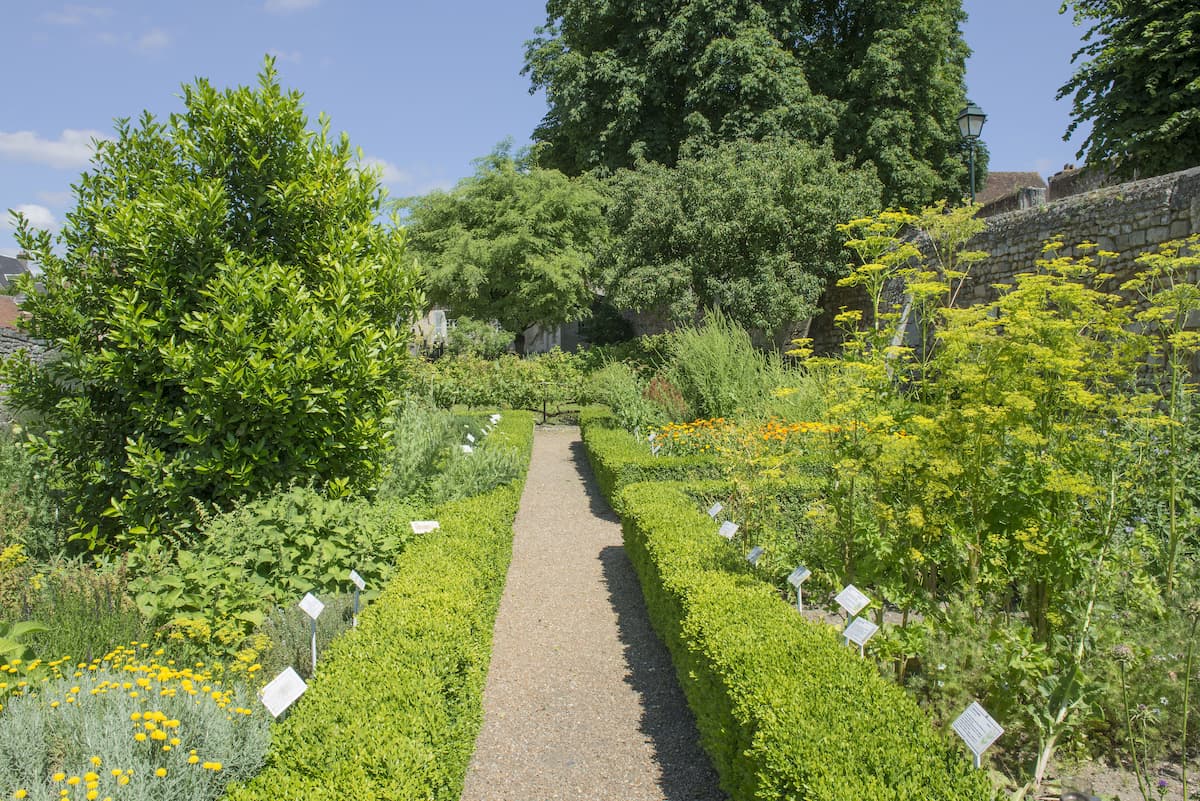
[[970, 125]]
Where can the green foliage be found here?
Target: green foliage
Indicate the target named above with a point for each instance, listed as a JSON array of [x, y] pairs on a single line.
[[76, 734], [746, 228], [12, 635], [395, 708], [477, 338], [618, 459], [267, 553], [784, 709], [288, 629], [619, 388], [513, 243], [552, 379], [1138, 84], [28, 508], [719, 371], [882, 81], [228, 316]]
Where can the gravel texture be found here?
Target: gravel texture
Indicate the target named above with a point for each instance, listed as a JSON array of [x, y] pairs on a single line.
[[581, 699]]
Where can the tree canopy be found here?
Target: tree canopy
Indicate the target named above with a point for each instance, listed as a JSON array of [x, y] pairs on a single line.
[[225, 312], [880, 80], [513, 243], [746, 228], [1138, 84]]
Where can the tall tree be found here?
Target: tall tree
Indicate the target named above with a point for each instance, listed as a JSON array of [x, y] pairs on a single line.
[[882, 80], [226, 315], [513, 243], [1139, 84], [746, 228]]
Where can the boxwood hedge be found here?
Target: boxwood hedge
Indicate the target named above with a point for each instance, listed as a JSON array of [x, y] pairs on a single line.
[[396, 705]]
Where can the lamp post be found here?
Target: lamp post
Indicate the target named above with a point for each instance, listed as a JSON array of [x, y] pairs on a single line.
[[970, 125]]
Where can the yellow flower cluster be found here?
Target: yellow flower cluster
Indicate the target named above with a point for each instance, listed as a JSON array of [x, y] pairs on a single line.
[[138, 678]]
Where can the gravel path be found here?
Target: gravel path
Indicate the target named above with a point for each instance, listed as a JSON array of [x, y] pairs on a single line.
[[581, 699]]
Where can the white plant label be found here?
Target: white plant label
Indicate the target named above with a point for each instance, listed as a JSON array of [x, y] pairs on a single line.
[[424, 526], [859, 631], [728, 529], [471, 438], [755, 554], [715, 510], [282, 692], [311, 605], [852, 600], [799, 576], [468, 449], [652, 436], [977, 729], [495, 418], [358, 580], [654, 449]]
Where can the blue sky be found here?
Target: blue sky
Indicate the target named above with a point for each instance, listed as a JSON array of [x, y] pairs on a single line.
[[422, 87]]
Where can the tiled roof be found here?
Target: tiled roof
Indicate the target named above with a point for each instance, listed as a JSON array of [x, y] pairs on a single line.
[[1003, 184]]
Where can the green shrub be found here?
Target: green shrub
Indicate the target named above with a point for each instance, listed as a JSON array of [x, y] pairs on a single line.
[[719, 371], [548, 380], [268, 553], [619, 388], [618, 459], [396, 705], [476, 338], [229, 314], [785, 711], [28, 510]]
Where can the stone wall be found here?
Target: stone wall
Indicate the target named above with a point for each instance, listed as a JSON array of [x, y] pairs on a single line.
[[1128, 219], [12, 340]]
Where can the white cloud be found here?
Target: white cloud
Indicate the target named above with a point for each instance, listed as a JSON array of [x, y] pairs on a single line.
[[388, 173], [37, 216], [73, 148], [293, 56], [153, 40], [72, 14], [288, 6]]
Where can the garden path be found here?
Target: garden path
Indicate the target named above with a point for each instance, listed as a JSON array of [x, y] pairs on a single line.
[[581, 699]]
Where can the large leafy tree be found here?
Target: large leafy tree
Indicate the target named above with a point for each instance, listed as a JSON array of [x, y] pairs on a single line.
[[225, 311], [1138, 84], [513, 243], [746, 228], [881, 80]]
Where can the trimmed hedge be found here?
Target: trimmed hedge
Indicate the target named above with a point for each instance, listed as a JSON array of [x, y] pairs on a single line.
[[396, 705], [619, 460], [785, 711]]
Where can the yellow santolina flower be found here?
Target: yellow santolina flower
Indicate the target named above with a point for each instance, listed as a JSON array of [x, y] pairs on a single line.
[[58, 777], [20, 793], [90, 777], [140, 736], [193, 759], [93, 794], [123, 780], [74, 780], [116, 771], [160, 772], [211, 766], [95, 761]]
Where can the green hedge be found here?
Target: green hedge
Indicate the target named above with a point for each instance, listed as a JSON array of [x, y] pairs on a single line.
[[619, 460], [785, 711], [396, 705]]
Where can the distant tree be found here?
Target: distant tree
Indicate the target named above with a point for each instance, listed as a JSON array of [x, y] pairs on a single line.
[[513, 243], [747, 228], [226, 315], [881, 80], [1139, 84]]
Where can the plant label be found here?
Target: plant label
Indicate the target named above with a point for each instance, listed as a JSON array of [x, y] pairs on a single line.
[[495, 418], [728, 529], [799, 576], [859, 631], [358, 580], [977, 729], [471, 438], [852, 600], [755, 554], [424, 526], [651, 436], [311, 605], [654, 449], [715, 510], [468, 449], [282, 692]]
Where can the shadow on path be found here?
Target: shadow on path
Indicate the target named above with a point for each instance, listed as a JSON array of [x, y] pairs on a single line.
[[667, 722]]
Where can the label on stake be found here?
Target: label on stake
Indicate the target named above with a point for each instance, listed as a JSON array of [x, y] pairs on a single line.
[[358, 580], [728, 529], [424, 526], [977, 729], [799, 576], [755, 554], [852, 600], [282, 692], [311, 605], [859, 631], [715, 510]]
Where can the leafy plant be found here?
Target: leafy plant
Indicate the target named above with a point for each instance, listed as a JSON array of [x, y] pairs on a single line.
[[227, 312], [477, 338]]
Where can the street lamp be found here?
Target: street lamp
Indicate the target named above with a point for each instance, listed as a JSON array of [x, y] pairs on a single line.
[[970, 125]]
